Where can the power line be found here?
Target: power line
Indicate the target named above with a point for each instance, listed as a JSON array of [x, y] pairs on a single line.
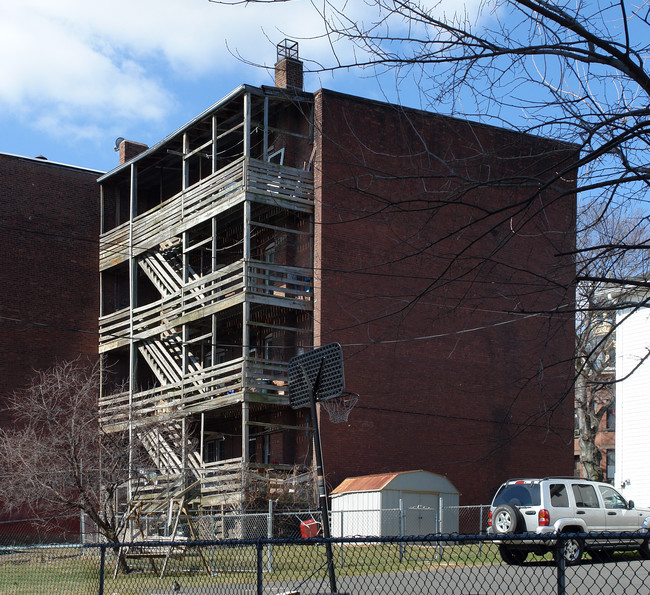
[[355, 344]]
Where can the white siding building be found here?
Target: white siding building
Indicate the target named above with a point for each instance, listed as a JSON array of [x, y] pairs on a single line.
[[632, 475]]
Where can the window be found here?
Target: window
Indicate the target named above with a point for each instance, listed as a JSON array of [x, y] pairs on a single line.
[[612, 498], [585, 496], [267, 449], [219, 355], [212, 451], [611, 464], [252, 450], [611, 420], [520, 494], [268, 346], [559, 495], [269, 258]]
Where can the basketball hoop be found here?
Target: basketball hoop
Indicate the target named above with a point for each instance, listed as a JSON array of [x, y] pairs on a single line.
[[339, 407]]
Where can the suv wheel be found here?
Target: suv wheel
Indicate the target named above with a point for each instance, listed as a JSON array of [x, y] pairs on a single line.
[[645, 549], [512, 556], [507, 519], [572, 549]]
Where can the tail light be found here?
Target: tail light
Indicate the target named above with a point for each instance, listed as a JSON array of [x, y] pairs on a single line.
[[543, 518], [489, 518]]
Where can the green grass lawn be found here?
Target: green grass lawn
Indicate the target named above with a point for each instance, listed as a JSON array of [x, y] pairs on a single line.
[[66, 571]]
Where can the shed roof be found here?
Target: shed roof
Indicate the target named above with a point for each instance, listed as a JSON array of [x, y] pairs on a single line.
[[365, 483], [373, 483]]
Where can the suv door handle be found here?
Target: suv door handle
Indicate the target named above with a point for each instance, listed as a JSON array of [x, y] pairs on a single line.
[[611, 513], [581, 512]]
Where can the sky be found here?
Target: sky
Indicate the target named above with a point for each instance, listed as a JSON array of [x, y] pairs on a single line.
[[77, 74]]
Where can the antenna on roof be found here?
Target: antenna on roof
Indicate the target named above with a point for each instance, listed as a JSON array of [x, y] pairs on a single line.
[[118, 141], [288, 48]]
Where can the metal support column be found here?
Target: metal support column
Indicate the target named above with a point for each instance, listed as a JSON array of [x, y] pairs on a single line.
[[322, 490]]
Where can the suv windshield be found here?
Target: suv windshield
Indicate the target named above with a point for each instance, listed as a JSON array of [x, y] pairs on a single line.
[[519, 494]]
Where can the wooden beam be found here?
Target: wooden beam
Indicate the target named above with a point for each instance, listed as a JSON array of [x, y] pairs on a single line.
[[279, 426], [277, 228], [279, 327]]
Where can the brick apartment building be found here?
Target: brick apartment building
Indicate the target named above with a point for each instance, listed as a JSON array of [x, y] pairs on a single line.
[[278, 220], [49, 220]]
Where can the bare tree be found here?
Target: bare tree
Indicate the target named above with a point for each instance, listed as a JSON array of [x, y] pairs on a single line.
[[573, 72], [596, 324], [56, 458]]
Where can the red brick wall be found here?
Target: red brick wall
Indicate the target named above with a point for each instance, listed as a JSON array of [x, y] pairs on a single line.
[[49, 226], [404, 250], [288, 74], [129, 149]]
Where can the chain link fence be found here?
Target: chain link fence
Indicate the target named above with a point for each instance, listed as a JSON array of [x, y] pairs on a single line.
[[343, 523], [76, 529], [459, 564], [46, 530]]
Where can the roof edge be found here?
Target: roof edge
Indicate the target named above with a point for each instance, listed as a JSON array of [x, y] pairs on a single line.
[[45, 161], [565, 145], [229, 97], [240, 90]]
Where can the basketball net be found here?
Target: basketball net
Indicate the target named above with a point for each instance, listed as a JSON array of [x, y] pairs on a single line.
[[339, 407]]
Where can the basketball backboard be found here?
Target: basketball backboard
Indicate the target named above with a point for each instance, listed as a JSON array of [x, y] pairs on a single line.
[[303, 372]]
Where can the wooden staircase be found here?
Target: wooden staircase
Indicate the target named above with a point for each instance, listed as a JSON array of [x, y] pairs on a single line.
[[164, 268]]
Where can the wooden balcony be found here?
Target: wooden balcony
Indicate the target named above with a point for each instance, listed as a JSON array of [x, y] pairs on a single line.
[[290, 287], [252, 379], [243, 179], [221, 484]]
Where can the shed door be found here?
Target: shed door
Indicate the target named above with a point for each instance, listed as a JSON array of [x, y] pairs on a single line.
[[421, 513]]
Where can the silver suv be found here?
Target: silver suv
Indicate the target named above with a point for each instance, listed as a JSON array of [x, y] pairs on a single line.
[[556, 505]]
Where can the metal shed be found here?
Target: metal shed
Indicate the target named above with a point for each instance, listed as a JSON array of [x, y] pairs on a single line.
[[390, 504]]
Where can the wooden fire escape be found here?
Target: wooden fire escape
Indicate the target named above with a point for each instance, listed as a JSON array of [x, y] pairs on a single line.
[[154, 248]]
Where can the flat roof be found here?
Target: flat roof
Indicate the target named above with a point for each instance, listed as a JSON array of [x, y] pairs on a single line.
[[46, 161]]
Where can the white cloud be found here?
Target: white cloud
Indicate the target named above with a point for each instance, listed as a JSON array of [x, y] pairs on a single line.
[[84, 59], [76, 63], [62, 72]]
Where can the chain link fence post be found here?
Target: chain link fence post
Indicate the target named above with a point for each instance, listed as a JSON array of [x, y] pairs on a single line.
[[259, 566], [401, 529], [269, 534], [102, 567], [441, 505], [341, 535], [561, 566]]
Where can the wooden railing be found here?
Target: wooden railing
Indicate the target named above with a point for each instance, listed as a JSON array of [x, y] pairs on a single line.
[[286, 286], [217, 483], [220, 479], [214, 387], [266, 182]]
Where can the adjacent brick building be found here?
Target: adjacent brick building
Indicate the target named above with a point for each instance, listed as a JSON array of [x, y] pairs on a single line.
[[279, 220], [49, 221]]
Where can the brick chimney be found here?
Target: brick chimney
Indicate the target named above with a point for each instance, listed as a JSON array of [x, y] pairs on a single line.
[[128, 149], [288, 68]]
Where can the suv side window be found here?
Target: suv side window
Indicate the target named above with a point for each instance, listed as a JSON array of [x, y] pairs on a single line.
[[612, 498], [585, 496], [559, 495]]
